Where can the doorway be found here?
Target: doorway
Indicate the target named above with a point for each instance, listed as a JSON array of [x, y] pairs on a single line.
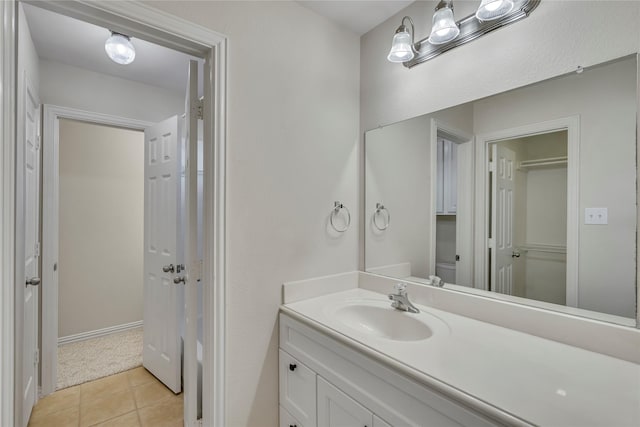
[[524, 177], [452, 205], [100, 250], [171, 33], [528, 211]]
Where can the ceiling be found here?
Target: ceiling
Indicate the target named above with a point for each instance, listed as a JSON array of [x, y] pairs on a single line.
[[73, 42], [359, 16], [70, 41]]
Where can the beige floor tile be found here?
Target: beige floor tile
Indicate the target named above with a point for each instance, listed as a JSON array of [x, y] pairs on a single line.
[[57, 401], [151, 393], [98, 388], [167, 413], [65, 418], [139, 376], [126, 420], [106, 407]]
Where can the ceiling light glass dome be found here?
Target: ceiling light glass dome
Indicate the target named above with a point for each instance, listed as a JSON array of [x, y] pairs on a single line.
[[120, 49]]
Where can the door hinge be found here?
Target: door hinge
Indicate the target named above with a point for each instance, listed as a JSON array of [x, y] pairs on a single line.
[[491, 242], [492, 166], [36, 250], [200, 108], [36, 357]]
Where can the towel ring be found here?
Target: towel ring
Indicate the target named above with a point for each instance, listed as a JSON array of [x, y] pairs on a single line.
[[382, 212], [337, 207]]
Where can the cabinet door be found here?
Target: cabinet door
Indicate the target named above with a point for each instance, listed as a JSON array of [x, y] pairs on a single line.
[[440, 177], [336, 409], [451, 178], [287, 420], [298, 389]]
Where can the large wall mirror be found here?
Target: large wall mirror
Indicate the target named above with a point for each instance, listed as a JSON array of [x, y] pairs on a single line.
[[528, 195]]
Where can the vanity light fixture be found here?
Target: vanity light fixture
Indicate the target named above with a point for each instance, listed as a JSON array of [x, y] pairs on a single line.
[[447, 34], [444, 27], [120, 49], [403, 48]]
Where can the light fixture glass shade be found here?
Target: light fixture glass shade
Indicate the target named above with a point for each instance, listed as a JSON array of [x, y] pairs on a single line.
[[444, 28], [401, 49], [493, 9], [120, 49]]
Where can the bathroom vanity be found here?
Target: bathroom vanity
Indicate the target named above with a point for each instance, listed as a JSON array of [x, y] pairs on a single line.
[[347, 358]]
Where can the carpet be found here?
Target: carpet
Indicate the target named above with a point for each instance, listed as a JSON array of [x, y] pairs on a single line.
[[95, 358]]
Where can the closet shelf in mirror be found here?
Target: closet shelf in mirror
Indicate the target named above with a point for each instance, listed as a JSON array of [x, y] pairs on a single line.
[[541, 163], [539, 247]]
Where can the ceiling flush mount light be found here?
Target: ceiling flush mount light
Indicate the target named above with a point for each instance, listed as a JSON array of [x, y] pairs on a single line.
[[490, 10], [444, 27], [403, 48], [447, 34], [120, 49]]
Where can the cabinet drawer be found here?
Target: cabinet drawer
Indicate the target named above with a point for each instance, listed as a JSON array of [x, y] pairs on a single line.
[[287, 420], [298, 390]]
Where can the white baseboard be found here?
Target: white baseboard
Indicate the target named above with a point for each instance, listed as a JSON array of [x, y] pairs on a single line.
[[98, 332]]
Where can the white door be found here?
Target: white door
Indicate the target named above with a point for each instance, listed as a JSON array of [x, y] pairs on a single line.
[[336, 409], [464, 215], [502, 192], [31, 153], [191, 392], [161, 353]]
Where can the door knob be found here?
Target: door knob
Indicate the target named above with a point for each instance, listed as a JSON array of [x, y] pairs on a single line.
[[34, 281], [515, 254], [179, 280], [168, 268]]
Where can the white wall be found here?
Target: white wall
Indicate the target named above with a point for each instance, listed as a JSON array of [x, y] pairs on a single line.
[[101, 227], [293, 95], [69, 86]]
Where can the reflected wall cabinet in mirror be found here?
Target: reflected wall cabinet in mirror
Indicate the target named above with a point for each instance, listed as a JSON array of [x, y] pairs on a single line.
[[528, 195]]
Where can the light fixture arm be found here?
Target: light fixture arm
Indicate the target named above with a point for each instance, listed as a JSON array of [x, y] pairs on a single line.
[[414, 45], [444, 3]]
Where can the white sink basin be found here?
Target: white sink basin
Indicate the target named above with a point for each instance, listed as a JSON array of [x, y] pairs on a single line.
[[383, 321]]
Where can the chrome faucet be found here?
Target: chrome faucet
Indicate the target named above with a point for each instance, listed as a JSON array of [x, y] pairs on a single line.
[[400, 300]]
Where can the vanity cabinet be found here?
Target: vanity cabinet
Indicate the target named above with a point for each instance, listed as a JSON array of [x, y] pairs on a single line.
[[447, 173], [335, 385]]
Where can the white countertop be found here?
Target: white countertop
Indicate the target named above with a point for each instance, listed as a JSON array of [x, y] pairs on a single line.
[[541, 381]]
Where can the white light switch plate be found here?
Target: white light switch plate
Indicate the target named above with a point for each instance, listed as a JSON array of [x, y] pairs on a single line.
[[596, 216]]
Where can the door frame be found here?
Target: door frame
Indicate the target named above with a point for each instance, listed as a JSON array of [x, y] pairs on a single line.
[[50, 224], [149, 23], [572, 126], [438, 127]]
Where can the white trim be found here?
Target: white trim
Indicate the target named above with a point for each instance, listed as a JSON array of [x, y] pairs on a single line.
[[572, 126], [8, 16], [167, 30], [459, 137], [50, 221], [82, 336]]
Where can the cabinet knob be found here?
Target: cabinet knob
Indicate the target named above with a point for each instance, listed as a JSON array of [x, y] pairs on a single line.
[[292, 366], [293, 425]]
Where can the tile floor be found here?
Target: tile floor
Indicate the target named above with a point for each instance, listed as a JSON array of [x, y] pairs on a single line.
[[133, 398]]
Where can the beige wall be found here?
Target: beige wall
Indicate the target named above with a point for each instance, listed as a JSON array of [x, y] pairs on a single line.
[[292, 132], [101, 227]]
